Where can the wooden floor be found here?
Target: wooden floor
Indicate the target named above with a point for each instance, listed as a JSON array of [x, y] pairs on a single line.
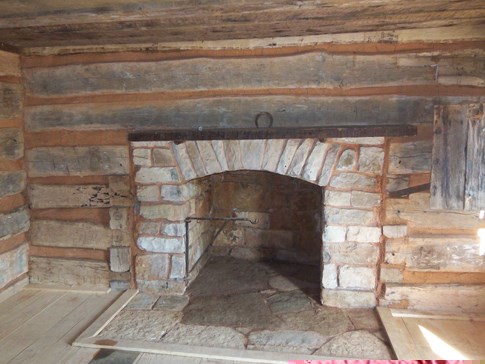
[[38, 326]]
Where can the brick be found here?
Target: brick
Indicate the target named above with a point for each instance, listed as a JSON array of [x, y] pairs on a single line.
[[166, 211], [157, 175], [364, 234], [161, 245], [357, 277], [337, 198], [329, 276]]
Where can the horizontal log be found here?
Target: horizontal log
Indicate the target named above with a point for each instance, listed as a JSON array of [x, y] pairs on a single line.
[[72, 138], [437, 253], [11, 143], [287, 111], [416, 277], [69, 273], [99, 216], [77, 161], [12, 242], [68, 234], [70, 253], [70, 180], [407, 191], [451, 298], [274, 133], [9, 64], [410, 157], [10, 100], [60, 196], [311, 70]]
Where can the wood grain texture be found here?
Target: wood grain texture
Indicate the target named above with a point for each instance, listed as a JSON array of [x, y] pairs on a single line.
[[449, 157], [74, 138], [9, 64], [232, 112], [69, 273], [99, 216], [69, 253], [69, 196], [68, 234]]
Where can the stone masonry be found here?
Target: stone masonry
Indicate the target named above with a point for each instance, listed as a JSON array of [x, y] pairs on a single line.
[[169, 189]]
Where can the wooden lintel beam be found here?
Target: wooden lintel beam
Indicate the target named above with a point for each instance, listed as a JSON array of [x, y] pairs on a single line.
[[407, 191], [273, 133]]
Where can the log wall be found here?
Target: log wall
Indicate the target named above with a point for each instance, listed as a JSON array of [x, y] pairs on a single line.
[[79, 109], [14, 215]]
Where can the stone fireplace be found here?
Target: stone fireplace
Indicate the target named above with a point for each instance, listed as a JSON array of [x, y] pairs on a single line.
[[198, 179]]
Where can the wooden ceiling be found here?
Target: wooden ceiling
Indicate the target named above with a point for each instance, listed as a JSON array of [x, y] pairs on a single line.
[[64, 24]]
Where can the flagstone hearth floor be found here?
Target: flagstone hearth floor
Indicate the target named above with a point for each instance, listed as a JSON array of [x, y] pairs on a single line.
[[244, 305]]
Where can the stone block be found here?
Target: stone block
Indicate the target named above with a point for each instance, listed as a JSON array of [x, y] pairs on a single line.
[[142, 157], [208, 155], [232, 150], [353, 181], [351, 253], [149, 228], [218, 146], [287, 156], [337, 198], [371, 159], [173, 229], [391, 274], [327, 168], [347, 160], [180, 193], [183, 161], [157, 175], [118, 218], [348, 299], [161, 245], [13, 263], [340, 216], [364, 234], [163, 158], [14, 222], [274, 148], [121, 238], [300, 158], [363, 278], [12, 183], [170, 212], [330, 276], [395, 231], [252, 152], [314, 162], [152, 267], [11, 144], [78, 161], [196, 158], [334, 234], [148, 193], [116, 285], [365, 199], [119, 259], [178, 267], [161, 286]]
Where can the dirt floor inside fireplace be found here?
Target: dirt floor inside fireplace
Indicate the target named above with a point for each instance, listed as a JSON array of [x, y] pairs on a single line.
[[249, 306]]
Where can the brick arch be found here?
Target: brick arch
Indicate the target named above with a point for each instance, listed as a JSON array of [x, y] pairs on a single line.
[[306, 159]]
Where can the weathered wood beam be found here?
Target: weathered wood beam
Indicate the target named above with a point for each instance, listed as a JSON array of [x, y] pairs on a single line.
[[407, 191], [274, 133]]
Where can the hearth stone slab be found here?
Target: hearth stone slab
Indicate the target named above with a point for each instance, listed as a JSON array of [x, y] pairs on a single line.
[[210, 336], [304, 342], [365, 319], [295, 301], [327, 321], [282, 283], [142, 301], [356, 344], [234, 311], [171, 303], [140, 325]]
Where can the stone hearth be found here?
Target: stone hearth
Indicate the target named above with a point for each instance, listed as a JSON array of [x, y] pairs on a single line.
[[173, 181]]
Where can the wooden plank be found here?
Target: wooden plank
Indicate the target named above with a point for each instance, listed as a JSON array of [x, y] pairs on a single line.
[[78, 161], [14, 287], [448, 298], [99, 216], [420, 277], [119, 259], [9, 64], [437, 315], [410, 157], [407, 191], [396, 330], [69, 234], [56, 343], [273, 133], [310, 70], [475, 160], [449, 156], [73, 138], [69, 273], [79, 254], [60, 196], [287, 111]]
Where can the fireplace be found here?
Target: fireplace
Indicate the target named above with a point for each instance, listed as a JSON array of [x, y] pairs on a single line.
[[186, 209]]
